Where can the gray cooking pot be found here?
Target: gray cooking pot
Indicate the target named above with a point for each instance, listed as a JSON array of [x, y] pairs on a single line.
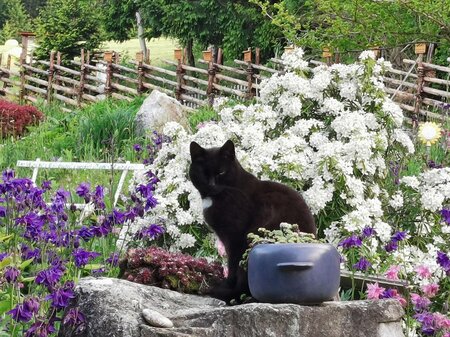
[[303, 273]]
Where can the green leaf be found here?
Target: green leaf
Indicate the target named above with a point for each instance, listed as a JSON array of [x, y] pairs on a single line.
[[6, 262], [26, 263], [93, 266], [5, 306], [6, 238], [28, 279]]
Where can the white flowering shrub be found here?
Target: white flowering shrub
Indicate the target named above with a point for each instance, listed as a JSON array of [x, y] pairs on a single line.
[[332, 133]]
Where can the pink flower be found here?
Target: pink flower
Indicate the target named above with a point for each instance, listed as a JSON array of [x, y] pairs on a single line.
[[423, 271], [441, 321], [374, 291], [225, 271], [392, 272], [402, 301], [420, 303], [430, 290], [220, 248]]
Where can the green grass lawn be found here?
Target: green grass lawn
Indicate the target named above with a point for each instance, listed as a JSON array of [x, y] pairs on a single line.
[[160, 49]]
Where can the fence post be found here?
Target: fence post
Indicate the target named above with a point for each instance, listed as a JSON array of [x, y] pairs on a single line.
[[107, 57], [22, 60], [180, 73], [420, 49], [58, 63], [8, 66], [208, 57], [82, 79], [51, 70], [250, 72], [140, 70], [326, 54]]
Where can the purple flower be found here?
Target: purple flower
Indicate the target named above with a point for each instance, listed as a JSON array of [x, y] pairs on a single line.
[[117, 217], [2, 212], [399, 236], [32, 304], [145, 190], [40, 329], [49, 277], [444, 261], [391, 246], [34, 224], [352, 241], [137, 147], [426, 319], [46, 185], [85, 233], [420, 303], [151, 232], [113, 259], [151, 202], [61, 297], [76, 319], [98, 197], [3, 256], [11, 274], [362, 264], [21, 313], [445, 213], [82, 257], [8, 175], [83, 191], [368, 232]]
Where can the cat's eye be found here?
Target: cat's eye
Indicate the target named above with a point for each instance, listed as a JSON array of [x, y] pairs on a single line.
[[222, 173]]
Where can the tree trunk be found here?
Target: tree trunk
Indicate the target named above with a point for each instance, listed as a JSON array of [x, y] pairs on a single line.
[[141, 35], [190, 52]]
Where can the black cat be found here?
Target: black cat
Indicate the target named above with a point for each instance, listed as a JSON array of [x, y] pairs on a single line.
[[236, 203]]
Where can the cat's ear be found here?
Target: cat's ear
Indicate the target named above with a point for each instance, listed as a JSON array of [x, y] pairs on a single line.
[[196, 150], [227, 150]]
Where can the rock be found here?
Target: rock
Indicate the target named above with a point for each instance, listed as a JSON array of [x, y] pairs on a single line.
[[113, 307], [156, 110], [154, 318]]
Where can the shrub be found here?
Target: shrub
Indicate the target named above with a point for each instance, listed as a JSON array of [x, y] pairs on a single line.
[[158, 267], [14, 118]]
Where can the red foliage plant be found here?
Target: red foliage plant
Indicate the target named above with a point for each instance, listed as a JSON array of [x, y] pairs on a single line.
[[14, 118]]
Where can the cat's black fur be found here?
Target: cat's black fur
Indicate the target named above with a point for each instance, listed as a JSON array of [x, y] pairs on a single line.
[[241, 203]]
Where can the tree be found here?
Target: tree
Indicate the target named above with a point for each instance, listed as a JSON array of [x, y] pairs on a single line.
[[68, 26], [232, 25], [359, 24], [17, 20], [33, 6]]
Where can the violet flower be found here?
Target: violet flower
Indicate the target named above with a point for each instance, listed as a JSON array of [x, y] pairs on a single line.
[[11, 274], [352, 241], [61, 297], [363, 264], [76, 319], [82, 257], [83, 191], [445, 213]]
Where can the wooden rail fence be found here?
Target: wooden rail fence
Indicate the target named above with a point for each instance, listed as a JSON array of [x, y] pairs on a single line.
[[422, 91]]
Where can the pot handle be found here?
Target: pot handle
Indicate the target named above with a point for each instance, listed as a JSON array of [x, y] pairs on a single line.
[[289, 266]]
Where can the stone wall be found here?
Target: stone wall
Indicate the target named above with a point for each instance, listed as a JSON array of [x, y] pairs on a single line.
[[114, 307]]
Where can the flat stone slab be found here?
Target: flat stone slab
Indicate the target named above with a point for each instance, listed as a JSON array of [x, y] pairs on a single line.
[[114, 307]]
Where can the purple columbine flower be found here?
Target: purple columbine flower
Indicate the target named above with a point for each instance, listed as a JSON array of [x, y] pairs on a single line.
[[85, 233], [61, 297], [352, 241], [3, 256], [445, 213], [444, 261], [426, 319], [11, 274], [137, 147], [113, 259], [98, 197], [145, 190], [83, 191], [363, 264], [2, 212], [49, 277], [46, 185], [368, 232], [151, 232], [21, 313], [76, 319], [391, 246], [82, 257], [151, 202], [40, 329], [399, 236], [34, 224]]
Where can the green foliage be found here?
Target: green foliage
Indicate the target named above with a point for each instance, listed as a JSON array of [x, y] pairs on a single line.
[[68, 26], [355, 24], [15, 19], [201, 115], [286, 234]]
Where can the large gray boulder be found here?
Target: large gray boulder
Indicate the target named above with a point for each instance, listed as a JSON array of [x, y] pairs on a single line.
[[156, 110], [113, 308]]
